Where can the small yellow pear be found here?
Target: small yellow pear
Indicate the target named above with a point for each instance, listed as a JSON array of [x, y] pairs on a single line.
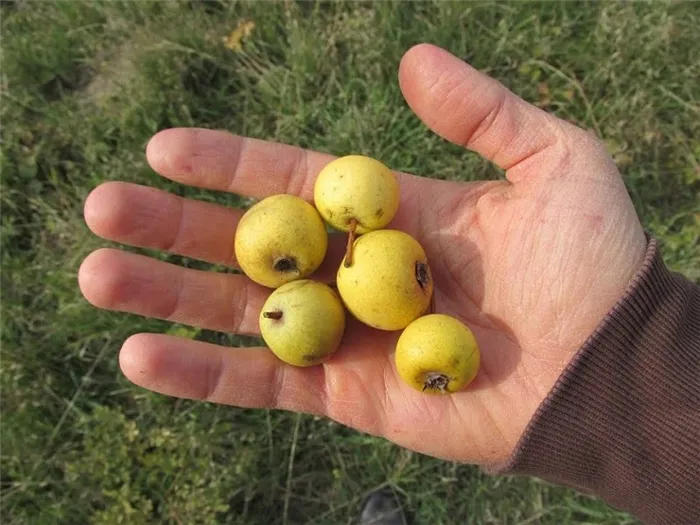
[[437, 354], [302, 322], [359, 188], [388, 283], [280, 239]]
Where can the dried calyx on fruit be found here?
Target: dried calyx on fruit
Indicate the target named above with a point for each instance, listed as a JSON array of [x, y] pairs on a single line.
[[280, 239], [389, 283], [437, 354]]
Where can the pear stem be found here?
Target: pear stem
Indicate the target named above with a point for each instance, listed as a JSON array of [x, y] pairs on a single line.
[[276, 314], [351, 242]]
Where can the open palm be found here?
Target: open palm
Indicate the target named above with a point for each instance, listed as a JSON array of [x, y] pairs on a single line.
[[531, 264]]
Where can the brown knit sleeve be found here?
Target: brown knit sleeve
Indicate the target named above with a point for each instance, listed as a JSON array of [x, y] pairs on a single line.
[[623, 420]]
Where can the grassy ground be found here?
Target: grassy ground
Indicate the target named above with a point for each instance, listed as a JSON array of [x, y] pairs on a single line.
[[86, 84]]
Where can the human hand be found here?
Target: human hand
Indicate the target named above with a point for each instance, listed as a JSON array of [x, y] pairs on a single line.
[[531, 265]]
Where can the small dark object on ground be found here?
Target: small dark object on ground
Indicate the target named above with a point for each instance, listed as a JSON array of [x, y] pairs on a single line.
[[382, 508]]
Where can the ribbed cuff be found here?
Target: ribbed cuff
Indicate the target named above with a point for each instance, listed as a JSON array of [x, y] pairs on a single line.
[[623, 419]]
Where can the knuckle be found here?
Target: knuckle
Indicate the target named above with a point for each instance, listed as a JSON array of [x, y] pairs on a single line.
[[488, 122], [213, 379]]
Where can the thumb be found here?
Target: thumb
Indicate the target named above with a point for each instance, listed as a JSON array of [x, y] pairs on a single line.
[[474, 110]]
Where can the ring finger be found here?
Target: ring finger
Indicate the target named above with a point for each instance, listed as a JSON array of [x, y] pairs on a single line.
[[127, 282]]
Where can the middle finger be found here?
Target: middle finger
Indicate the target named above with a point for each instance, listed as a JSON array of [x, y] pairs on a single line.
[[151, 218]]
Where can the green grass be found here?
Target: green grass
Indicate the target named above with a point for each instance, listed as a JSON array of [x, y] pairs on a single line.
[[84, 85]]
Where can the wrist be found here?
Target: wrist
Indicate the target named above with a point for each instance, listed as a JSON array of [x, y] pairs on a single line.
[[619, 421]]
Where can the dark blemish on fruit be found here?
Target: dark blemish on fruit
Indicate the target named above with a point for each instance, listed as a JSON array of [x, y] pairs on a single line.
[[310, 358], [379, 212], [422, 275], [286, 264], [275, 314]]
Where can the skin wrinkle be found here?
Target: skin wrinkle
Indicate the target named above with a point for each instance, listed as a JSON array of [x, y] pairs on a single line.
[[114, 287], [564, 154], [501, 435], [461, 415], [484, 128], [223, 291], [454, 209], [456, 414], [453, 218], [275, 398], [439, 80], [417, 204], [230, 184], [325, 391], [214, 374], [546, 251], [442, 78], [524, 164], [193, 161], [445, 99], [574, 273], [440, 297], [465, 417], [489, 202], [558, 297], [299, 176], [118, 206], [392, 423], [240, 309], [239, 315], [170, 311], [514, 287], [446, 215], [550, 139], [473, 302], [533, 146], [372, 420], [345, 408], [387, 406], [529, 301], [193, 290], [172, 245]]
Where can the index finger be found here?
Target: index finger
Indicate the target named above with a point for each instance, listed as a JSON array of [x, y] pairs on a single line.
[[218, 160]]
